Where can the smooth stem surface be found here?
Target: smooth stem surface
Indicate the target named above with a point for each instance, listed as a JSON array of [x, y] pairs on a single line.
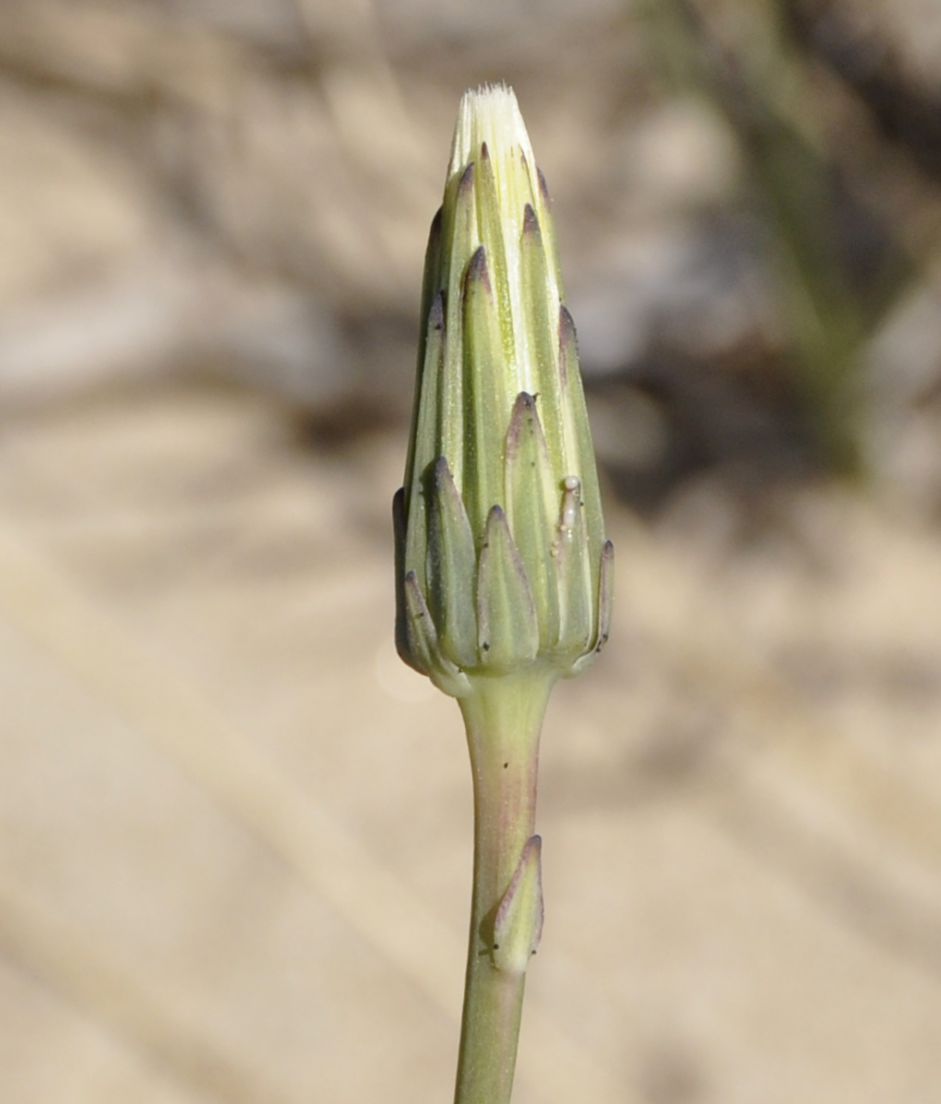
[[503, 717]]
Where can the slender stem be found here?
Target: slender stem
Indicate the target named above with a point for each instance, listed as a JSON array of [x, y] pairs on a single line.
[[503, 717]]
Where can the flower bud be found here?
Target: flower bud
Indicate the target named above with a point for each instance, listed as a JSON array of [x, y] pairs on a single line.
[[502, 565]]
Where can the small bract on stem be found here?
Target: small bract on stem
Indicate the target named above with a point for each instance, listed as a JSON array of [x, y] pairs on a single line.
[[503, 573]]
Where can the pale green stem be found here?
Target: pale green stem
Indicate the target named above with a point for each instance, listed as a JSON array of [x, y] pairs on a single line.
[[503, 717]]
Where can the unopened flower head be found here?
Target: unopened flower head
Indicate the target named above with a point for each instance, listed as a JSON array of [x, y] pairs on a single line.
[[502, 562]]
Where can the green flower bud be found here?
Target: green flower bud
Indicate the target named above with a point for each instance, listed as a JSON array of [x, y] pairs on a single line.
[[502, 564]]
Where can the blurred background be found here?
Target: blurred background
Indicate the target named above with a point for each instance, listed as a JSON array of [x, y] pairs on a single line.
[[234, 829]]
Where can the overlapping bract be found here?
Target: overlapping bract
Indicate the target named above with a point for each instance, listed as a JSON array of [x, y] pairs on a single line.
[[502, 563]]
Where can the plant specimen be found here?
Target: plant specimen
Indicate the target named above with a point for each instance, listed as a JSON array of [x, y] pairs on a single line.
[[503, 573]]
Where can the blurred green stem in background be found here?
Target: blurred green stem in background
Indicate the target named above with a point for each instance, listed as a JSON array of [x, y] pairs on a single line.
[[766, 95]]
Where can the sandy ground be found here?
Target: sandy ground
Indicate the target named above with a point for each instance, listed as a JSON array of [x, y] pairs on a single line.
[[235, 830]]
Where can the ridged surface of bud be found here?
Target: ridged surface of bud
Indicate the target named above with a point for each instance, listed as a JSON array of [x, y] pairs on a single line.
[[502, 565]]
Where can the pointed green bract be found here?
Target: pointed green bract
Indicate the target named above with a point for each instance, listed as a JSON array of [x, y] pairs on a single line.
[[461, 228], [540, 307], [577, 596], [507, 630], [577, 430], [420, 635], [486, 405], [452, 561], [422, 642], [491, 224], [424, 433], [531, 504], [517, 927], [500, 527]]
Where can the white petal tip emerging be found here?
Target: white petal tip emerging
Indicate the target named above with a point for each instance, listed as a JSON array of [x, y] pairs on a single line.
[[488, 115]]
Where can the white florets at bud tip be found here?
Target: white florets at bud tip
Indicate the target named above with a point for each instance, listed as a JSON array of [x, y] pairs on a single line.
[[489, 114]]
